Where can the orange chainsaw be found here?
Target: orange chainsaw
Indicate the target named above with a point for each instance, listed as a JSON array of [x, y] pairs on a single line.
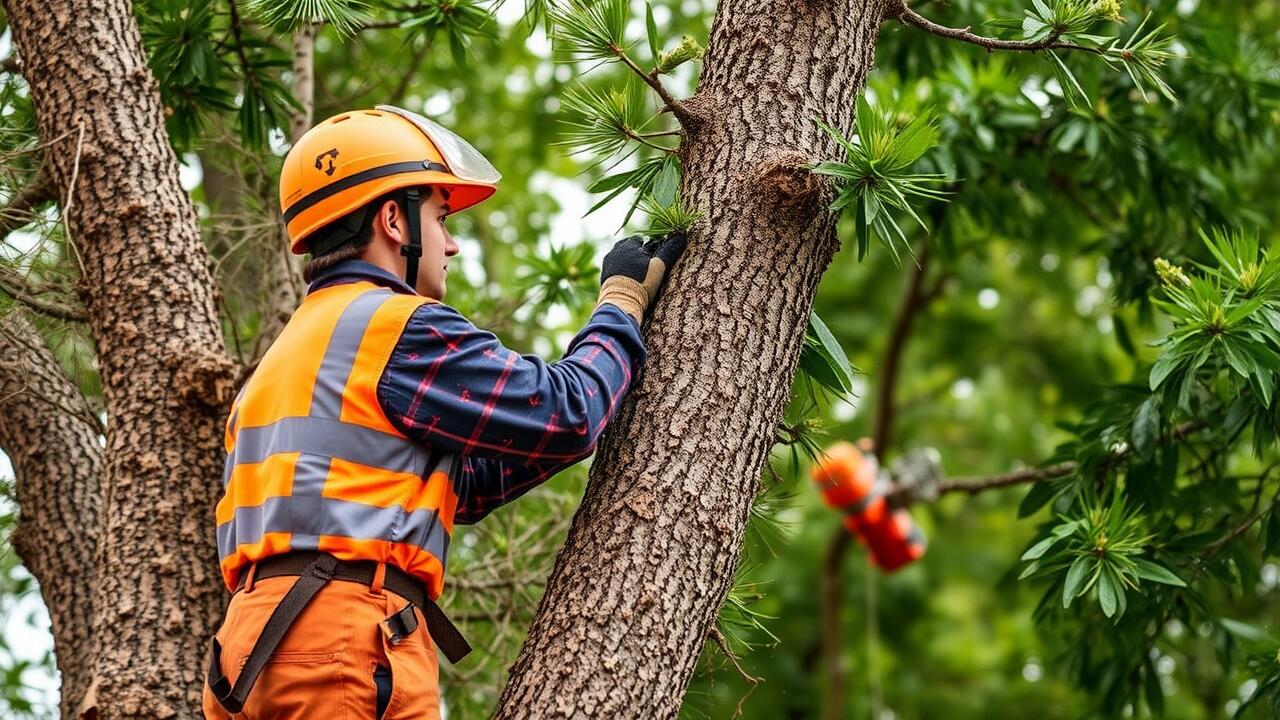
[[851, 481]]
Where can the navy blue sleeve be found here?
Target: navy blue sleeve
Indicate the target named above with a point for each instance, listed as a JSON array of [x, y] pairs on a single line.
[[514, 419]]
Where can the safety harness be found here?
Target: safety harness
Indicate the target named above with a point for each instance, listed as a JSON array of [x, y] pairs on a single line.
[[314, 570]]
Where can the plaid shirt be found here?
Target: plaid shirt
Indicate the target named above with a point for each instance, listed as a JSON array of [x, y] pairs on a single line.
[[515, 420]]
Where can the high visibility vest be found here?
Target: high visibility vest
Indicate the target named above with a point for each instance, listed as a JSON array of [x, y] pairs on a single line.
[[313, 463]]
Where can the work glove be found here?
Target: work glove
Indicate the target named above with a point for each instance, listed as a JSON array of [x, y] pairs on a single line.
[[633, 271]]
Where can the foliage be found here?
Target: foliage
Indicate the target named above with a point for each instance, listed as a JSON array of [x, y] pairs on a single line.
[[1064, 237], [824, 360], [343, 15], [1069, 24], [874, 178]]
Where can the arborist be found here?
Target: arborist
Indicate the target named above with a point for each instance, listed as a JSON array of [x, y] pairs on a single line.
[[379, 418]]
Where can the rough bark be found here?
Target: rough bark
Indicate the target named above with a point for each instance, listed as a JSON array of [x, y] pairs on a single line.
[[655, 543], [51, 435], [166, 377]]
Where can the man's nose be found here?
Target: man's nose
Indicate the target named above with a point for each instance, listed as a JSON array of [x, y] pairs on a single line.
[[450, 247]]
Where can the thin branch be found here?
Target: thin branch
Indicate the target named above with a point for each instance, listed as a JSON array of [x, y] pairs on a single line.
[[70, 200], [830, 639], [964, 34], [246, 68], [677, 108], [904, 496], [723, 644], [641, 139], [410, 11], [973, 486], [406, 78], [382, 25], [17, 213], [915, 298], [29, 293], [1249, 522], [11, 64]]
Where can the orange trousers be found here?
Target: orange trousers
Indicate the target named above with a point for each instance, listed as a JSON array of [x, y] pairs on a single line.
[[324, 667]]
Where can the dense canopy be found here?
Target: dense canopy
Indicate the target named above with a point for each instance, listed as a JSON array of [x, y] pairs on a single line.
[[1058, 270]]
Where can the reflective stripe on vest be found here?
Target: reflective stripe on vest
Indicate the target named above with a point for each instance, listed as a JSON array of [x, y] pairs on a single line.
[[312, 462]]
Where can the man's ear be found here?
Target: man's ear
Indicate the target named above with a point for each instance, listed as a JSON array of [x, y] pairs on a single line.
[[390, 221]]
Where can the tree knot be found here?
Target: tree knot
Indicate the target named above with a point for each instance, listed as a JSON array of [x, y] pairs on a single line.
[[787, 181], [205, 377]]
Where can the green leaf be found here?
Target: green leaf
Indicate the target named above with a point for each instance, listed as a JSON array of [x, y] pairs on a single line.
[[910, 143], [1146, 426], [652, 28], [1165, 365], [344, 15], [1155, 572], [824, 360], [862, 231], [610, 182], [1248, 634], [590, 29], [666, 184], [1122, 336], [1069, 82], [1039, 549], [1272, 542], [1108, 593], [1152, 689], [1076, 575], [1037, 497]]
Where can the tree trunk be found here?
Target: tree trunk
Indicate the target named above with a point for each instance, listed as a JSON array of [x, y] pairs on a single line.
[[654, 546], [166, 377], [51, 435]]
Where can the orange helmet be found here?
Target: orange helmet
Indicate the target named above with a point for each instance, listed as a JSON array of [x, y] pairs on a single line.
[[351, 159]]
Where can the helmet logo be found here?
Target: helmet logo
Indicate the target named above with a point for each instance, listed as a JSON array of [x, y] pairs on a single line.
[[331, 153]]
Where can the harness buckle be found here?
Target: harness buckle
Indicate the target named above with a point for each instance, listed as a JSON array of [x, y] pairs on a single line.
[[324, 567], [399, 625]]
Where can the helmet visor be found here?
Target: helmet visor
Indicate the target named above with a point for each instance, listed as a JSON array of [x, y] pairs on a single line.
[[464, 161]]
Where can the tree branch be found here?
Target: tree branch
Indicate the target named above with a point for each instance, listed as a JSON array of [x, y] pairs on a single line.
[[1249, 522], [29, 293], [904, 496], [914, 299], [51, 435], [18, 212], [976, 485], [964, 34], [677, 108], [15, 215], [11, 64], [916, 296]]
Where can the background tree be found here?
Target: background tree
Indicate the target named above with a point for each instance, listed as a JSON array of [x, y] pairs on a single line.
[[1032, 292]]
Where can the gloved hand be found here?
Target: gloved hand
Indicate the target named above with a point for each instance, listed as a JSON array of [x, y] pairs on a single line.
[[633, 271]]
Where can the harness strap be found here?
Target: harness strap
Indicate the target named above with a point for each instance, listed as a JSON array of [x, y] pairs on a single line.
[[314, 571], [413, 249], [232, 698]]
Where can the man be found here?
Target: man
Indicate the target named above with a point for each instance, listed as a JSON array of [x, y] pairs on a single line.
[[379, 418]]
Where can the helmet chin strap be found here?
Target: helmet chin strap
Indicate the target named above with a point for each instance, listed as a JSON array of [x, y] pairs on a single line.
[[413, 249]]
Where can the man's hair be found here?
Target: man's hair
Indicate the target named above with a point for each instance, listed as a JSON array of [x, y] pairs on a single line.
[[347, 237]]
